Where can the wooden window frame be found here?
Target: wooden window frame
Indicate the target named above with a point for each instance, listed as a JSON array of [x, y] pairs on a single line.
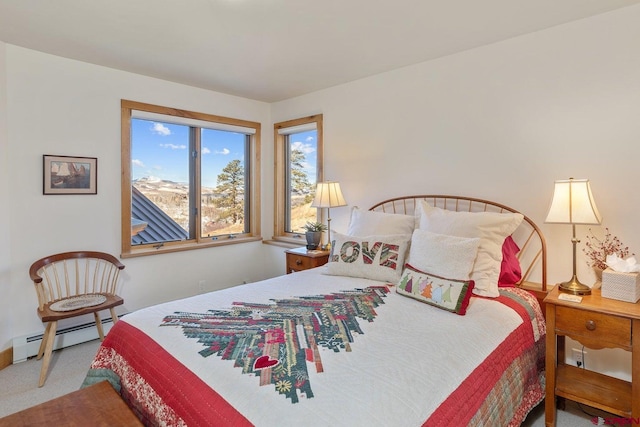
[[280, 234], [253, 163]]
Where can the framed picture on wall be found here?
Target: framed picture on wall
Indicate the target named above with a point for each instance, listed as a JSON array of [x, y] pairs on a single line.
[[69, 175]]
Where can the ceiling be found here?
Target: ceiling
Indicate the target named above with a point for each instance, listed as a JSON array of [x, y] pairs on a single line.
[[270, 50]]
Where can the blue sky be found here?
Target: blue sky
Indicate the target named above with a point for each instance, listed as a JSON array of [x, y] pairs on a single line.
[[307, 143], [161, 150]]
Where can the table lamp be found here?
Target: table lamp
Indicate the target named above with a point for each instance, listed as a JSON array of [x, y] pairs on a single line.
[[328, 195], [573, 204]]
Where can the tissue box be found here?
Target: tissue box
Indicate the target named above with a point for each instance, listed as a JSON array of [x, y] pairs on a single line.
[[621, 286]]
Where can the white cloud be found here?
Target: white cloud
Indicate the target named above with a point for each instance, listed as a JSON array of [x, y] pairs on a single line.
[[174, 146], [310, 138], [160, 129], [136, 162], [205, 150], [305, 148], [224, 151]]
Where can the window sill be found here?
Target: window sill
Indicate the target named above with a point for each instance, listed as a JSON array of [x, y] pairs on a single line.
[[168, 248], [286, 242]]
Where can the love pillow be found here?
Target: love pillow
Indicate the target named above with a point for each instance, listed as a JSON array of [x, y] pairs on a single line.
[[371, 257]]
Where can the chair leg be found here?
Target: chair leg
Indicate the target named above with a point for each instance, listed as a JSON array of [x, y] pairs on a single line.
[[114, 316], [50, 337], [99, 326], [44, 341]]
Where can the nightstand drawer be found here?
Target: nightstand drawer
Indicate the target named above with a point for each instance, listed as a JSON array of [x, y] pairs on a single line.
[[594, 326], [297, 262]]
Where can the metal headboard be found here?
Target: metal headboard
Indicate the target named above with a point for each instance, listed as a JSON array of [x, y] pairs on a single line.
[[533, 249]]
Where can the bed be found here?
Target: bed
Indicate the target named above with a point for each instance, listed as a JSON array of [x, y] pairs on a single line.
[[399, 328]]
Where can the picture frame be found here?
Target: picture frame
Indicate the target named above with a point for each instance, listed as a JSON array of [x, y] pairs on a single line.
[[69, 175]]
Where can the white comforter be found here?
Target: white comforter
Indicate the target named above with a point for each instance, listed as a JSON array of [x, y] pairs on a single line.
[[407, 362]]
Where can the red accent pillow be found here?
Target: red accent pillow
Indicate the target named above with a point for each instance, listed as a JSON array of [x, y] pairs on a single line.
[[510, 271]]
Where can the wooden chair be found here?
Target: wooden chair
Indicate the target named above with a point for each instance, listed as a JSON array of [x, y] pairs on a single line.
[[73, 284]]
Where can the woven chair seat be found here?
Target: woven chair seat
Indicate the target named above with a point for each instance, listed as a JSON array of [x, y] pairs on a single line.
[[48, 313]]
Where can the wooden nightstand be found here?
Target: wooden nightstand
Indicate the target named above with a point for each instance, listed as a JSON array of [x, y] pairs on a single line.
[[300, 259], [596, 323]]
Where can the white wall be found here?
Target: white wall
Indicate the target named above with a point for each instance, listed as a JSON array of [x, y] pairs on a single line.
[[501, 122], [64, 107], [6, 321]]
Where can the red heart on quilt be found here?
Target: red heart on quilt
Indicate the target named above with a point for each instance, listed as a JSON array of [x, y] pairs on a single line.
[[264, 362]]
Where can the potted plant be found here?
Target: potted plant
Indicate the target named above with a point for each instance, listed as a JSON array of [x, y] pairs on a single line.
[[313, 233]]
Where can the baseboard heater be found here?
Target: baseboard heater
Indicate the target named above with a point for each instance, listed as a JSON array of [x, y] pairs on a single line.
[[27, 346]]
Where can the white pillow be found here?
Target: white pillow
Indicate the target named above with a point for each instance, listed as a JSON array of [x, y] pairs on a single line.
[[441, 255], [371, 257], [491, 227], [370, 223]]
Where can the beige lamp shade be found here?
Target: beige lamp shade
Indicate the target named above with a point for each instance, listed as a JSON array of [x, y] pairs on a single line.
[[573, 203], [328, 195]]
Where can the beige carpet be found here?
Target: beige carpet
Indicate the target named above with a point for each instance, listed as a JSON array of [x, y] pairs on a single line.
[[19, 382], [19, 386]]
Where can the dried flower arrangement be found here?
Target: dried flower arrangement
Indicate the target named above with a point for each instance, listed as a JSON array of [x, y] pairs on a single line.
[[598, 249]]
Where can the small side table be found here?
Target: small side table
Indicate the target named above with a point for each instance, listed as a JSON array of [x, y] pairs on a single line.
[[596, 323], [299, 259]]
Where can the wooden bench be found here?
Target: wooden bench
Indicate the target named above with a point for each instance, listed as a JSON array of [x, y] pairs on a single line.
[[96, 405]]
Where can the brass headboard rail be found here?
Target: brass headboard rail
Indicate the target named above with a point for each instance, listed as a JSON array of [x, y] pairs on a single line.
[[533, 249]]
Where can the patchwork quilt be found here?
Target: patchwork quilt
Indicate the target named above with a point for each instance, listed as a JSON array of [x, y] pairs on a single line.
[[314, 349]]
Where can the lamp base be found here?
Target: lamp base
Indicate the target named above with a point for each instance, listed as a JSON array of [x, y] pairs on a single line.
[[574, 287]]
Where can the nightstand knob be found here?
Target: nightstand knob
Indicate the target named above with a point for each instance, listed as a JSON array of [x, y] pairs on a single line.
[[298, 261], [590, 325]]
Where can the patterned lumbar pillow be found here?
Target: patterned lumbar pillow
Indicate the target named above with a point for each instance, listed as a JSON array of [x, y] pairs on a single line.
[[447, 294], [371, 257]]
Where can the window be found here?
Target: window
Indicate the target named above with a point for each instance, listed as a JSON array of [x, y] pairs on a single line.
[[189, 179], [298, 151]]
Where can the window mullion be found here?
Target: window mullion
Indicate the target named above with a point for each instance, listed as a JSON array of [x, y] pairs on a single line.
[[195, 203], [287, 184], [248, 187]]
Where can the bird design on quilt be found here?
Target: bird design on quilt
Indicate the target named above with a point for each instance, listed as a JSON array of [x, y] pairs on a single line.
[[276, 341]]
